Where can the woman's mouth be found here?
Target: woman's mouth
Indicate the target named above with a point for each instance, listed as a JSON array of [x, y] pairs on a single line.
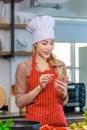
[[47, 53]]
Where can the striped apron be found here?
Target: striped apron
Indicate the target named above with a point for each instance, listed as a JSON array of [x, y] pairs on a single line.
[[47, 109]]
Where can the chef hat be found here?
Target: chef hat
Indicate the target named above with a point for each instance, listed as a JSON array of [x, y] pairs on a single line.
[[41, 28]]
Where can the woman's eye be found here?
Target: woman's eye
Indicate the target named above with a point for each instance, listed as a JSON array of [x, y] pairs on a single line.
[[52, 43], [44, 43]]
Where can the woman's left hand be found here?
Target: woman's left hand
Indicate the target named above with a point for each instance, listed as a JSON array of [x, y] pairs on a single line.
[[61, 87]]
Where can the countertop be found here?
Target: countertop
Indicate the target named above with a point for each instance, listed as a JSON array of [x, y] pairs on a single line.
[[6, 114], [72, 118], [21, 116]]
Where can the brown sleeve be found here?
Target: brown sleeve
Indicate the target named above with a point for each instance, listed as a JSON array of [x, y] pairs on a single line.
[[21, 76], [64, 102]]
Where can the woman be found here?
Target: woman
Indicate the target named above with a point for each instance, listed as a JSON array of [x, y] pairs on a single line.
[[41, 80]]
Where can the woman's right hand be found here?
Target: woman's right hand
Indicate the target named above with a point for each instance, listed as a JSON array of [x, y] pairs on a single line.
[[45, 79]]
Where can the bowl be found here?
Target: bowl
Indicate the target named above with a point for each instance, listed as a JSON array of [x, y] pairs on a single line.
[[26, 125]]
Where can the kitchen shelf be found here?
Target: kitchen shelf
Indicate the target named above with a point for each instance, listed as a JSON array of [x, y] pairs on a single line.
[[8, 1], [5, 53], [8, 53], [20, 26], [5, 26], [18, 0], [23, 53]]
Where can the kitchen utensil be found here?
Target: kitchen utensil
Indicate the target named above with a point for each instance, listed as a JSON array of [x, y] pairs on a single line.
[[2, 97], [26, 125], [20, 19], [21, 46]]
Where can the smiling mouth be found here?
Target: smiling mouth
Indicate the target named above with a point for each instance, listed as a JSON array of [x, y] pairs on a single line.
[[46, 53]]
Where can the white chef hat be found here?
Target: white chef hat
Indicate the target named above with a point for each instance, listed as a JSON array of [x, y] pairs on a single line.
[[41, 28]]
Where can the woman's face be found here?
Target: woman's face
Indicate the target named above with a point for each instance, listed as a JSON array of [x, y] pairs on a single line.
[[44, 48]]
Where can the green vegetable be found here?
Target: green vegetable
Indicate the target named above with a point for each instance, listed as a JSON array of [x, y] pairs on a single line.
[[73, 126], [84, 127], [6, 125], [85, 116], [81, 124]]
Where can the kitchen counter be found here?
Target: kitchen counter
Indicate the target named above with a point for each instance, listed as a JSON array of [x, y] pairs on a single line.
[[6, 115], [74, 118], [20, 116]]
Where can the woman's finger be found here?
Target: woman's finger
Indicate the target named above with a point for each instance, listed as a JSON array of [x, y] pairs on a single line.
[[60, 82], [46, 77]]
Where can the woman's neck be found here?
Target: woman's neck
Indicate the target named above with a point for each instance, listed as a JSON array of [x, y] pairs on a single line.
[[40, 60], [41, 64]]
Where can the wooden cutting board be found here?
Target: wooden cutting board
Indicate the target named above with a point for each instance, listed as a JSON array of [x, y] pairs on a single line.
[[2, 97]]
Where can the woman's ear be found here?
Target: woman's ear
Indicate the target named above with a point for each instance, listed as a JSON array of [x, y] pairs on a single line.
[[35, 45]]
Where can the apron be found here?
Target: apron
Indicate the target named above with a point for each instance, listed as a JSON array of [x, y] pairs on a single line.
[[47, 108]]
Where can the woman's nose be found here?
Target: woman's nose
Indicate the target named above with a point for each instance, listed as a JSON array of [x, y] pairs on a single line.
[[48, 46]]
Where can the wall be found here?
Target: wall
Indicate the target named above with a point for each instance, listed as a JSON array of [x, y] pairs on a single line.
[[5, 76], [69, 31], [71, 23]]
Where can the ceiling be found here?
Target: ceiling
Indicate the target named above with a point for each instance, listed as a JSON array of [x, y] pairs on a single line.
[[71, 8]]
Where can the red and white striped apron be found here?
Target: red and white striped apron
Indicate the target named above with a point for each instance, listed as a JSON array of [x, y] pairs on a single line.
[[47, 108]]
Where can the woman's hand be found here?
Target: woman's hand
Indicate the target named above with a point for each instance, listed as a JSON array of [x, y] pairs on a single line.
[[45, 79], [61, 87]]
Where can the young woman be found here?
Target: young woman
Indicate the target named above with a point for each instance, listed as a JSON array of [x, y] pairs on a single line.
[[41, 80]]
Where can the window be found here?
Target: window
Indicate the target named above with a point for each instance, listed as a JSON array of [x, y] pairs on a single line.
[[69, 54], [77, 63], [63, 52]]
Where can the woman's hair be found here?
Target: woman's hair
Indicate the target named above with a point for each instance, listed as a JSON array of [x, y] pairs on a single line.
[[52, 60], [58, 70]]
